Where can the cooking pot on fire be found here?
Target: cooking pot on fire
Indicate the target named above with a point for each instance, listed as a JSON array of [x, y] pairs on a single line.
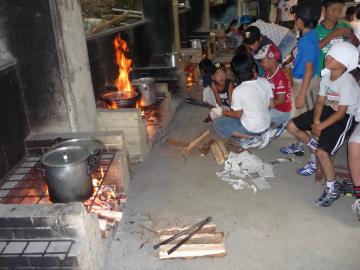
[[68, 174], [120, 99], [93, 146], [146, 88]]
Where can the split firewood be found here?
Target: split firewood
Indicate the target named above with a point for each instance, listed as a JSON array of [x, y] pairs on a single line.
[[192, 251], [219, 151], [208, 228], [108, 24], [110, 215], [223, 149], [206, 242], [196, 143]]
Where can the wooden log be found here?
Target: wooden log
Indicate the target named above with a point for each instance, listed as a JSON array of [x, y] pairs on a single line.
[[109, 215], [192, 250], [218, 154], [197, 142], [207, 229]]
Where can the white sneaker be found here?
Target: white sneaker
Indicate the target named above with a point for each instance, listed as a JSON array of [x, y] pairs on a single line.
[[356, 208], [265, 139], [251, 143]]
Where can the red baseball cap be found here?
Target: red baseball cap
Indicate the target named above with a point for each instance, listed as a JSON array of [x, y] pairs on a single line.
[[269, 51]]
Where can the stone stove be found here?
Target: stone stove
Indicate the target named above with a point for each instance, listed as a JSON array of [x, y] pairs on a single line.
[[36, 233]]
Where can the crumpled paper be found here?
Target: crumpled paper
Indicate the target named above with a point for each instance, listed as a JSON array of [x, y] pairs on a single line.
[[246, 170]]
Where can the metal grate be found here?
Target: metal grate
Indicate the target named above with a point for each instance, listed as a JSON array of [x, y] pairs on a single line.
[[36, 248], [26, 184]]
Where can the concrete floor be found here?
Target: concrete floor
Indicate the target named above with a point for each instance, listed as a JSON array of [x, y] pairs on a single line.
[[279, 228]]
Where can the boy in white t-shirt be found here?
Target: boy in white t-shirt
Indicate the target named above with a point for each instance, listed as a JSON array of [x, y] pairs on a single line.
[[332, 116], [250, 104]]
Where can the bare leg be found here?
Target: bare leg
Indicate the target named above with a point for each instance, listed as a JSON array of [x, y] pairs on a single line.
[[354, 162], [302, 136], [242, 136], [326, 164]]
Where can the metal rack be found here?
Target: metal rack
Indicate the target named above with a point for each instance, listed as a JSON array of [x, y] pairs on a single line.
[[15, 249]]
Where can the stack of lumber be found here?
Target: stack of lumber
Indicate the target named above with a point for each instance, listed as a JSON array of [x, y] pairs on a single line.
[[207, 242]]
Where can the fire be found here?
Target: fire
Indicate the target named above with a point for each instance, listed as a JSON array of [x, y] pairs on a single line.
[[121, 49]]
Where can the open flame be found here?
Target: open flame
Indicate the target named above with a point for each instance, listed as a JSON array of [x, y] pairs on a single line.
[[124, 64]]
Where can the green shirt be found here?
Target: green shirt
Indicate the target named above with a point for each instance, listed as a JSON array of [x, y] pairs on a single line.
[[323, 33]]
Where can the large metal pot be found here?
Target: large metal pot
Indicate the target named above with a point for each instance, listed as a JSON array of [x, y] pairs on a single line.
[[120, 99], [195, 43], [93, 146], [68, 174], [146, 88], [174, 59]]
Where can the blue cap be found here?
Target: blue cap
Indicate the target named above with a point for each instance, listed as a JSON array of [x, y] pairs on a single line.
[[245, 19]]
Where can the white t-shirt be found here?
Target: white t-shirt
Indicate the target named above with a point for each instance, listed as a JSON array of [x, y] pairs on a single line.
[[253, 98], [355, 25], [274, 32], [343, 91], [284, 6]]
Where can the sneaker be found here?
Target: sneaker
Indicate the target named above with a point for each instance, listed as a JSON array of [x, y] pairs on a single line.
[[207, 120], [279, 130], [308, 169], [265, 139], [329, 196], [293, 149], [356, 208], [251, 143]]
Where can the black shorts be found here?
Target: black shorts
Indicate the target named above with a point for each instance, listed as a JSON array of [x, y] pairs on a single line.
[[333, 136]]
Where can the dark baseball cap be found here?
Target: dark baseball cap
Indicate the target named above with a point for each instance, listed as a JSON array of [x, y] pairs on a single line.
[[216, 66], [251, 35]]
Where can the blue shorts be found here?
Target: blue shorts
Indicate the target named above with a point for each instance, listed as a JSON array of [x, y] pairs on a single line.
[[226, 126]]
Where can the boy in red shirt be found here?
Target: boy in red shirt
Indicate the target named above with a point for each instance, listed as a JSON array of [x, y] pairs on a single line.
[[270, 57]]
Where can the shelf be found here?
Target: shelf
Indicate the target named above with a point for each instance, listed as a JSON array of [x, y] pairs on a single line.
[[114, 30]]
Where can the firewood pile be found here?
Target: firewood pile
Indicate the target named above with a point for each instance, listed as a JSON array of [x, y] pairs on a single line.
[[105, 202], [205, 143], [206, 242]]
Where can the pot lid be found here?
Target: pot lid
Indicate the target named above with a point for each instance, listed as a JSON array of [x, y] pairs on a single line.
[[91, 144], [120, 95], [65, 156]]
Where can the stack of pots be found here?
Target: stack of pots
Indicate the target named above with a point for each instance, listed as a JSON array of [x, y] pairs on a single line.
[[68, 167]]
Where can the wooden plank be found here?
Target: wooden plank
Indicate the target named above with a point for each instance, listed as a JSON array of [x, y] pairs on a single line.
[[203, 238], [208, 228], [193, 250], [197, 142], [223, 149], [218, 155]]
